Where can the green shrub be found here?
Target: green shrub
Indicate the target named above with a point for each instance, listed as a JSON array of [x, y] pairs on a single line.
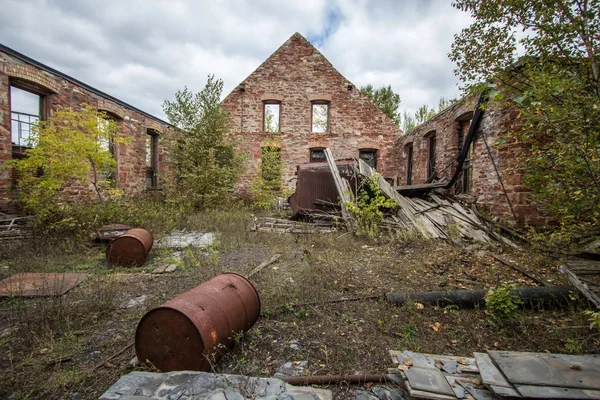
[[502, 303], [368, 208]]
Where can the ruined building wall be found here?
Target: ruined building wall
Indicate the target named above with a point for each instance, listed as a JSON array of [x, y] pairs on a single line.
[[295, 75], [486, 191], [58, 91]]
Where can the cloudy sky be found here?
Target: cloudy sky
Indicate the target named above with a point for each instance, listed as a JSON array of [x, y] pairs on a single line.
[[143, 51]]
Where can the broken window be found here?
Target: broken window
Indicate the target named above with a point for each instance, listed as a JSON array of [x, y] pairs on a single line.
[[320, 116], [431, 140], [272, 115], [464, 184], [24, 114], [317, 154], [409, 163], [151, 159], [271, 167], [369, 156]]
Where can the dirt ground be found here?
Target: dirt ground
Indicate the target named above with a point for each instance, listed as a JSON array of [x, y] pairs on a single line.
[[57, 347]]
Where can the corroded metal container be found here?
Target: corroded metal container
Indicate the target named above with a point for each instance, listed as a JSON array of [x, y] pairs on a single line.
[[192, 331], [130, 249]]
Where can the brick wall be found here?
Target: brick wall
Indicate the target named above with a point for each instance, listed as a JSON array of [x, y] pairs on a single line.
[[486, 190], [295, 75], [59, 92]]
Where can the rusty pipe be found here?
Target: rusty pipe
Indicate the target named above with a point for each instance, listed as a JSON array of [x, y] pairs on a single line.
[[193, 330], [328, 379]]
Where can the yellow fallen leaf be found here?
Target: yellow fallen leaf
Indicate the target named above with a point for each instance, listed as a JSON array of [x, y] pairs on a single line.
[[408, 361], [436, 326], [403, 367]]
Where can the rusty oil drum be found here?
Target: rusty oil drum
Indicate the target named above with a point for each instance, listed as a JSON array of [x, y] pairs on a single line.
[[192, 331], [130, 249]]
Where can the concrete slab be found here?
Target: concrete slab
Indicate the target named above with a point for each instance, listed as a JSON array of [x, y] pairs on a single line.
[[180, 240], [187, 385]]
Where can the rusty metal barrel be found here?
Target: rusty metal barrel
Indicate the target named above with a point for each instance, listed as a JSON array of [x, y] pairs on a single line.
[[130, 249], [192, 331]]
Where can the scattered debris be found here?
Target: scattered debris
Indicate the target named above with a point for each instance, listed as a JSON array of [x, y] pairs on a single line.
[[39, 284], [497, 373], [182, 239], [520, 269], [137, 301], [108, 233], [439, 218], [280, 225], [575, 269], [263, 264], [14, 227], [166, 268], [379, 392], [292, 368], [187, 385]]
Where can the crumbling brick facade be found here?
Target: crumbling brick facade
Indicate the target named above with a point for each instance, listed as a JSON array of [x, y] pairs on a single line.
[[58, 91], [296, 76], [485, 189]]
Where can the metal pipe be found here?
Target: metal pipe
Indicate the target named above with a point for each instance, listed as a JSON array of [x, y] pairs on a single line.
[[328, 379], [531, 296]]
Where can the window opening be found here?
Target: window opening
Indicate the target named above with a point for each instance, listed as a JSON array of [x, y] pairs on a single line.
[[317, 155], [24, 114], [272, 116], [320, 117], [369, 156], [409, 163], [464, 183], [431, 157], [151, 159]]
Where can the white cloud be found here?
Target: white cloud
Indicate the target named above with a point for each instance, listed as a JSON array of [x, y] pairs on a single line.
[[143, 51]]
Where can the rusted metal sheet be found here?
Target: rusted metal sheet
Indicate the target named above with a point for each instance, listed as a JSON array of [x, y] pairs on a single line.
[[315, 182], [37, 284], [192, 331], [130, 249]]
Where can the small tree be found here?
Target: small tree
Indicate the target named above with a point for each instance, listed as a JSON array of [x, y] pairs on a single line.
[[542, 57], [385, 99], [204, 163], [71, 147]]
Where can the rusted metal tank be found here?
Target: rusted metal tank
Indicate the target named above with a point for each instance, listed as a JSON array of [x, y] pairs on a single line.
[[130, 249], [192, 331]]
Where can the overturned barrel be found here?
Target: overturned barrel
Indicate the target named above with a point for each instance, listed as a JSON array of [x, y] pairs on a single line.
[[192, 331], [130, 249]]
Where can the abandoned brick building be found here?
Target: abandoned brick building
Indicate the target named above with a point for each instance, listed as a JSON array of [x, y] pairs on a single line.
[[490, 177], [297, 102], [31, 91]]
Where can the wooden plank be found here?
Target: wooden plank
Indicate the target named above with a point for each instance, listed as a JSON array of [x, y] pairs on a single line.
[[548, 392], [504, 391], [428, 380], [520, 269], [400, 379], [459, 391], [544, 369], [490, 375], [343, 189], [263, 264], [581, 286]]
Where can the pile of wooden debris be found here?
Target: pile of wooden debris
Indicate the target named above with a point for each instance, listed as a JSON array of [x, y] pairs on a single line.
[[436, 218]]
